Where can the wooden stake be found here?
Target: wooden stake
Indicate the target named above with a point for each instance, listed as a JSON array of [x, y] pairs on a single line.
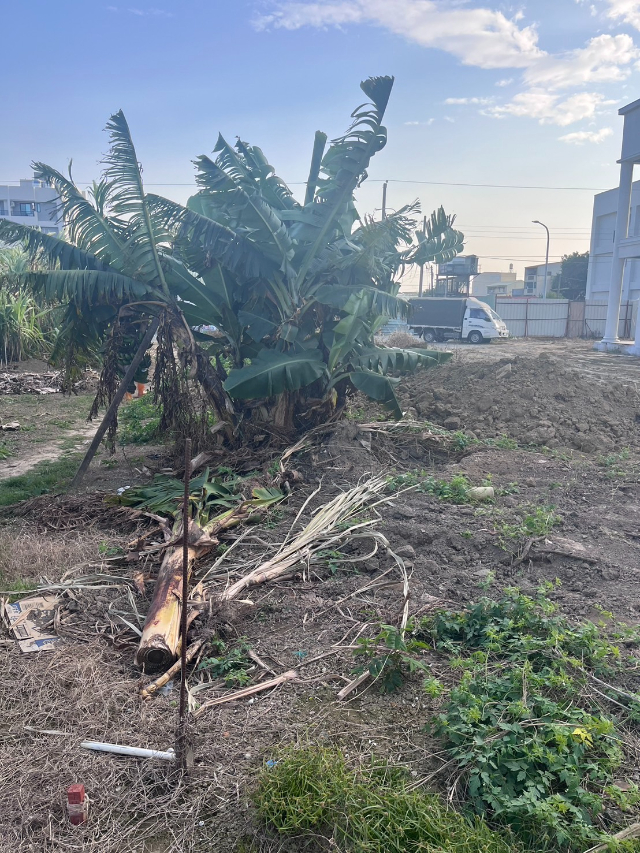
[[182, 722]]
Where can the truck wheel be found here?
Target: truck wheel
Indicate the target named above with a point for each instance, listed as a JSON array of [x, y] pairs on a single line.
[[475, 337], [429, 335]]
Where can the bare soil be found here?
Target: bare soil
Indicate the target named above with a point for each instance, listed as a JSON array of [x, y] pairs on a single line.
[[88, 687]]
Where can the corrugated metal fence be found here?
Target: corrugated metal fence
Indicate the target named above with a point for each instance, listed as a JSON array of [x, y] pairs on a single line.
[[560, 318]]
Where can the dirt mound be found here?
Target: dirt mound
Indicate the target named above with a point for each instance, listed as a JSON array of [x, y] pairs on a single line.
[[535, 401]]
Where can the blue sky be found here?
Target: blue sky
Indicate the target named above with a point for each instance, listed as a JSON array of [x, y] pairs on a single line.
[[485, 93]]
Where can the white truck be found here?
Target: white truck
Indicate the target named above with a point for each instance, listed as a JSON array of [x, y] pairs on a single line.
[[439, 319]]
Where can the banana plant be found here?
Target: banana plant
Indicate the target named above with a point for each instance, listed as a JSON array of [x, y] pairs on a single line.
[[296, 289]]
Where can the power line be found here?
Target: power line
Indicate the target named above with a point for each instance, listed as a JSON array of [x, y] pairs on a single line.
[[390, 181]]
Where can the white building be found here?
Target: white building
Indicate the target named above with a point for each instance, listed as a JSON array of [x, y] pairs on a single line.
[[619, 232], [497, 284], [31, 202], [534, 278], [603, 227]]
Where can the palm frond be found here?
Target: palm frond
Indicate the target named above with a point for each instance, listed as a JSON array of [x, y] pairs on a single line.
[[440, 242], [88, 228], [248, 210], [54, 249], [319, 144], [272, 188], [128, 202], [92, 287], [346, 162], [220, 244]]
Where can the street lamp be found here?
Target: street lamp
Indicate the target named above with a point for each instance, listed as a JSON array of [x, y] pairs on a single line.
[[546, 262]]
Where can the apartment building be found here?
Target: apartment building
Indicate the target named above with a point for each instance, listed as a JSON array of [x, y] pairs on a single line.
[[31, 202]]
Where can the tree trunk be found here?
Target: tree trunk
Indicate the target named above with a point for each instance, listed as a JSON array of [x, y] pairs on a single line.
[[161, 633]]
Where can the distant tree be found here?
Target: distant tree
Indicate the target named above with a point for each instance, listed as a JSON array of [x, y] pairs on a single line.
[[571, 282]]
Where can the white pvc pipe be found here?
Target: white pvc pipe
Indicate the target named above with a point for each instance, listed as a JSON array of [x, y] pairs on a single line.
[[133, 751]]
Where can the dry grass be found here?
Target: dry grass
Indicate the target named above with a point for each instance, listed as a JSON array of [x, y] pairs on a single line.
[[404, 340], [135, 806], [26, 556]]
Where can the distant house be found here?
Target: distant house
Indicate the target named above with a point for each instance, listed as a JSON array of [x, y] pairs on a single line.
[[534, 278], [31, 202], [497, 284]]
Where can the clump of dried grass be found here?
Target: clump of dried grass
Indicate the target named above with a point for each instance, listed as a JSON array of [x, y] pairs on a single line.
[[403, 340], [29, 556]]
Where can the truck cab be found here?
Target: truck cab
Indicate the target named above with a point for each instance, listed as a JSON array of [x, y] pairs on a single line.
[[482, 323]]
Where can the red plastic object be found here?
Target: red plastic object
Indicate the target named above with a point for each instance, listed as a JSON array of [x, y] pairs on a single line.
[[77, 804]]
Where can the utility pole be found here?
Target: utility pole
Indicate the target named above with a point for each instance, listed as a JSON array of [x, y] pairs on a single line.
[[384, 199], [424, 231], [546, 263]]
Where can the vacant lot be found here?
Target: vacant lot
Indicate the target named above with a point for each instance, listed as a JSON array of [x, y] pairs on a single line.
[[565, 466]]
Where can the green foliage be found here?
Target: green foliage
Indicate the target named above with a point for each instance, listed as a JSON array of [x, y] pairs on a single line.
[[139, 421], [212, 498], [43, 478], [538, 521], [312, 790], [332, 559], [534, 752], [231, 664], [616, 464], [571, 282], [390, 658], [21, 326], [455, 490]]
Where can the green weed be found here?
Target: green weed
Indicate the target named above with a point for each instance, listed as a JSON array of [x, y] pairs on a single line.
[[538, 522], [534, 751], [15, 589], [140, 421], [230, 664], [312, 790], [455, 490], [390, 658]]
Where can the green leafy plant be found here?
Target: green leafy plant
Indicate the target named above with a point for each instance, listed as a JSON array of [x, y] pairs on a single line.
[[534, 752], [455, 490], [390, 657], [231, 663], [539, 521]]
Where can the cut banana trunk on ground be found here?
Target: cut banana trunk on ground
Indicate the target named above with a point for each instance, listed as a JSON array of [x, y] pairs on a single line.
[[161, 634]]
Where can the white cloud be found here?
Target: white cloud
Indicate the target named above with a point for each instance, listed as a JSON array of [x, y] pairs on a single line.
[[582, 136], [487, 38], [427, 123], [548, 108], [477, 36], [605, 59], [626, 10], [459, 101]]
